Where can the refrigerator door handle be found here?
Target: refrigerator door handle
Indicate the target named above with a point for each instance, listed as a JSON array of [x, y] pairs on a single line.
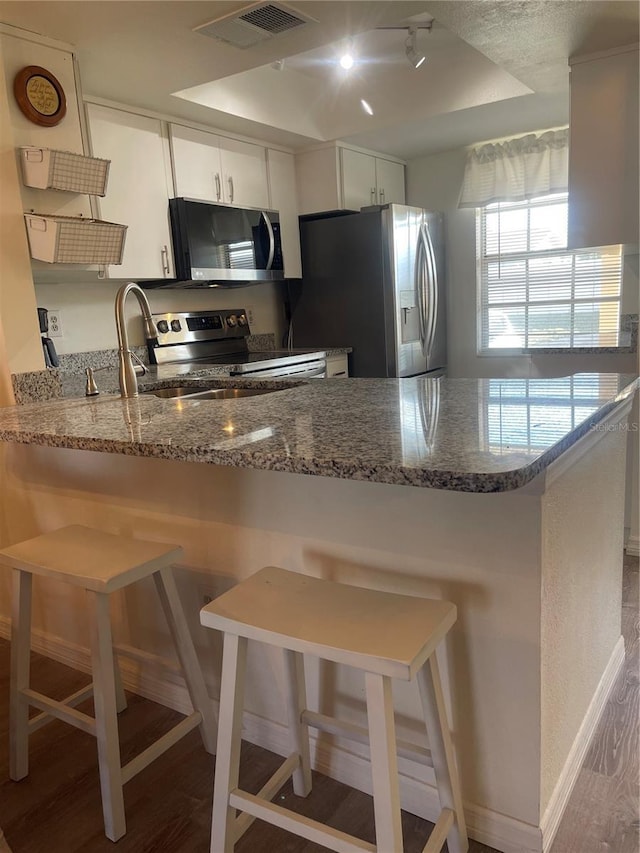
[[432, 282], [418, 275]]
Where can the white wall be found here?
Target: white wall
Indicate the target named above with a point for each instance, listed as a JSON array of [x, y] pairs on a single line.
[[88, 319]]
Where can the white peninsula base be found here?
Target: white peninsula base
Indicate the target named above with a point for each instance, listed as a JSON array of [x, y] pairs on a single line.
[[535, 573]]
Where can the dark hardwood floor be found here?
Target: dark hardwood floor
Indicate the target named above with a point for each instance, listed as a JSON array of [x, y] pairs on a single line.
[[57, 809]]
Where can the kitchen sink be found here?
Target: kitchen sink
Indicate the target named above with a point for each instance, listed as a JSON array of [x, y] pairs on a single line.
[[192, 393]]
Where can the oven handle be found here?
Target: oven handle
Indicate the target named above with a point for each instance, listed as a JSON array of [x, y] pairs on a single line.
[[272, 240], [316, 369]]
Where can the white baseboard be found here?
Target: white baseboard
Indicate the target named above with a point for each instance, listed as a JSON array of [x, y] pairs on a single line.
[[633, 546], [147, 677], [562, 791]]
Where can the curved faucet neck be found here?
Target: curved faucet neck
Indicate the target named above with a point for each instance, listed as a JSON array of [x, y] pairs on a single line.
[[128, 380]]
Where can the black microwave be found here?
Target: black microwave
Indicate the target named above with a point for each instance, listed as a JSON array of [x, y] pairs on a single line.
[[218, 244]]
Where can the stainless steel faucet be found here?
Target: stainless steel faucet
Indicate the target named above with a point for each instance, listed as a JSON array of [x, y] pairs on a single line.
[[127, 373]]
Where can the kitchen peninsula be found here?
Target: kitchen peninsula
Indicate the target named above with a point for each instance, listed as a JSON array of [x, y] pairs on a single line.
[[504, 496]]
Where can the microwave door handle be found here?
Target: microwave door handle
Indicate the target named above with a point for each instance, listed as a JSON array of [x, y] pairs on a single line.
[[272, 241]]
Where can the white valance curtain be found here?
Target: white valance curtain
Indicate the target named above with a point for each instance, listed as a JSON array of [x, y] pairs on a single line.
[[516, 169]]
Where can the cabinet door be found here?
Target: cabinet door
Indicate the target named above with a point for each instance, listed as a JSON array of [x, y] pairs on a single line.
[[244, 173], [603, 150], [138, 189], [337, 367], [390, 182], [282, 184], [358, 179], [197, 170]]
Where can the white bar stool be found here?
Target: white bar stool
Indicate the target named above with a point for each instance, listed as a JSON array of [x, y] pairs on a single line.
[[100, 563], [385, 635]]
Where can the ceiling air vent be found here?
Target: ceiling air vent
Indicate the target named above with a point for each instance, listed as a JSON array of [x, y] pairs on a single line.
[[254, 24]]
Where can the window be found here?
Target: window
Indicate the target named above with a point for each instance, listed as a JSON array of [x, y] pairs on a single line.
[[534, 292]]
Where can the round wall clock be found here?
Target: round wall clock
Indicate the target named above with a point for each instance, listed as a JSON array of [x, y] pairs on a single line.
[[40, 96]]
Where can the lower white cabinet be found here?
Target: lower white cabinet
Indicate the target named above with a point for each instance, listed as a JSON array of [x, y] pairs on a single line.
[[337, 366], [138, 189]]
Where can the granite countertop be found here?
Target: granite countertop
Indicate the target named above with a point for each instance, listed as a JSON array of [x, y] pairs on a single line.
[[467, 435]]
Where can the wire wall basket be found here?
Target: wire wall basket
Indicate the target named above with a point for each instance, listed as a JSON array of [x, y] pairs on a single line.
[[73, 240], [45, 168]]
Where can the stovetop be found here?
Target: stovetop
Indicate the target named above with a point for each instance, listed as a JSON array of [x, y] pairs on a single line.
[[197, 339]]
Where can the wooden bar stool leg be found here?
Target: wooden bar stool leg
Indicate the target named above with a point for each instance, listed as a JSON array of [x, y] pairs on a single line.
[[20, 668], [104, 697], [444, 764], [121, 699], [167, 590], [296, 704], [384, 763], [234, 660]]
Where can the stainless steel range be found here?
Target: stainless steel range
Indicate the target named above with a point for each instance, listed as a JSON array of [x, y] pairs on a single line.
[[198, 339]]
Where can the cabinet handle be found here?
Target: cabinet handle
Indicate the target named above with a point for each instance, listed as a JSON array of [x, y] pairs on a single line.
[[230, 179], [373, 195], [381, 196], [218, 186], [165, 260]]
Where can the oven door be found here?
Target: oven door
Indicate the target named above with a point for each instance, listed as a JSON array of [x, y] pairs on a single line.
[[306, 370]]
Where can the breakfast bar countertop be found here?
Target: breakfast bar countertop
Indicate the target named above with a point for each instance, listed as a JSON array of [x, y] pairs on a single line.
[[469, 435]]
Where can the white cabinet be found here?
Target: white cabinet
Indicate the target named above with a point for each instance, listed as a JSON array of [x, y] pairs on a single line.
[[219, 169], [337, 366], [358, 179], [342, 178], [390, 181], [603, 149], [370, 180], [138, 189], [282, 187]]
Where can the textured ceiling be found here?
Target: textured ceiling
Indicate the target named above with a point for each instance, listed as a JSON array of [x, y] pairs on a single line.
[[139, 52]]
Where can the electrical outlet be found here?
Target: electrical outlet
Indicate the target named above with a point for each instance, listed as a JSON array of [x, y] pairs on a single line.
[[250, 317], [55, 323]]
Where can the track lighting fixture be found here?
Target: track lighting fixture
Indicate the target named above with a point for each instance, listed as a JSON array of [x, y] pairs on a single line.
[[413, 55]]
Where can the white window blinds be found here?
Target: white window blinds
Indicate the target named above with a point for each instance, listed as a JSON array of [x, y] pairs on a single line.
[[534, 292]]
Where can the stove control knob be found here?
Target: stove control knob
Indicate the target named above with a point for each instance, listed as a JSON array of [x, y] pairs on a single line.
[[163, 327], [232, 320], [242, 320], [175, 326]]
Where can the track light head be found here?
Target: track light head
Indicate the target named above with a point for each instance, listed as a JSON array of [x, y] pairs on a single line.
[[416, 59]]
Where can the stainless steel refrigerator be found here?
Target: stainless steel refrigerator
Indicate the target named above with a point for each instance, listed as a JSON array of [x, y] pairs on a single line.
[[375, 281]]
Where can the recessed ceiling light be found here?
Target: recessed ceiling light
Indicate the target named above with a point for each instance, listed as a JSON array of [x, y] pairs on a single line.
[[346, 61], [366, 106]]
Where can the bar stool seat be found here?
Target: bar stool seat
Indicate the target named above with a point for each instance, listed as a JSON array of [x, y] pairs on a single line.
[[383, 634], [100, 563]]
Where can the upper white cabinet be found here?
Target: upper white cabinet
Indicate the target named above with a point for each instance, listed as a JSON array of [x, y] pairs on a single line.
[[282, 186], [342, 178], [370, 180], [218, 169], [138, 190], [603, 149], [390, 181]]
